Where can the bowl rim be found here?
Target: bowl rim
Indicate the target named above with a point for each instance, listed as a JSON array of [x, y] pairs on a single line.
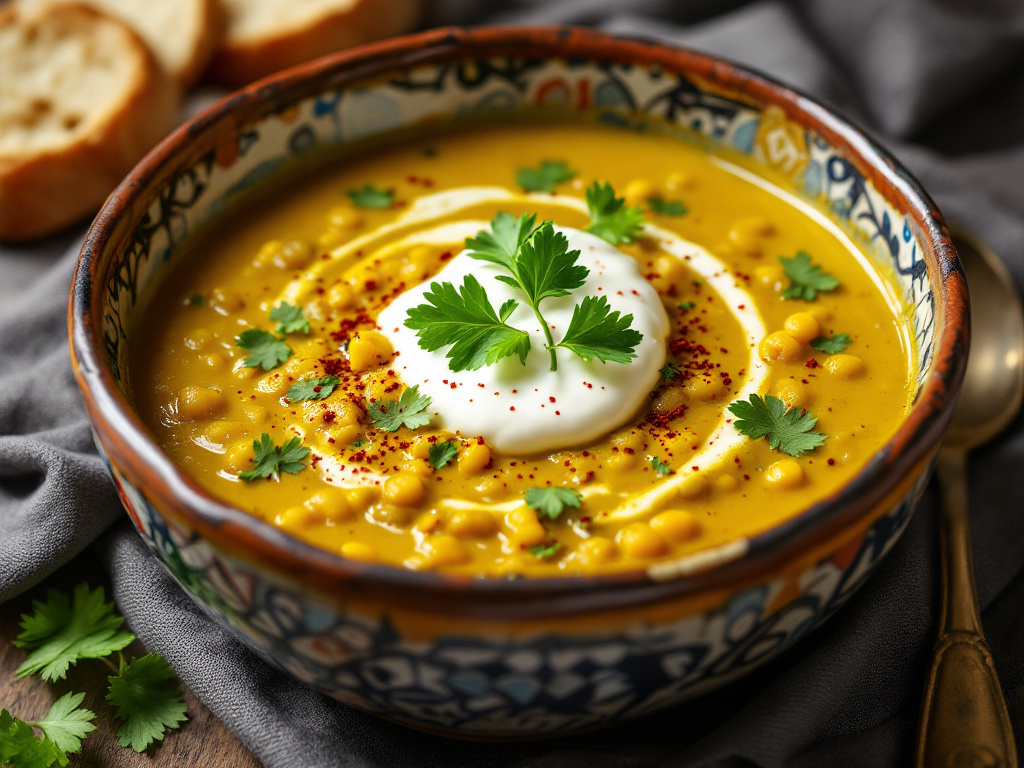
[[230, 529]]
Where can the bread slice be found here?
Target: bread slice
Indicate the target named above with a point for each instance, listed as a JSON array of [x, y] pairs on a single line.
[[81, 100], [181, 33], [264, 36]]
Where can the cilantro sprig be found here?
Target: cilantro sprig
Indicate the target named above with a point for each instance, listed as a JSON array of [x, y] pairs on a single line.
[[609, 218], [271, 460], [63, 729], [408, 411], [788, 429], [666, 207], [544, 551], [545, 178], [831, 345], [265, 350], [146, 700], [551, 502], [289, 318], [440, 454], [806, 279], [312, 389]]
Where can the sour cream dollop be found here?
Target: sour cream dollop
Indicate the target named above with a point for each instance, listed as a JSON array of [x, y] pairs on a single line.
[[528, 408]]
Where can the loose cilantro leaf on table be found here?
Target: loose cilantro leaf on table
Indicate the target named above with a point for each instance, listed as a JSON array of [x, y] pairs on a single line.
[[609, 219], [667, 207], [806, 280], [596, 331], [831, 346], [371, 197], [265, 350], [670, 371], [21, 748], [62, 631], [659, 466], [551, 502], [147, 700], [787, 430], [543, 551], [439, 454], [466, 320], [271, 460], [289, 318], [546, 177], [409, 411], [312, 389], [67, 723]]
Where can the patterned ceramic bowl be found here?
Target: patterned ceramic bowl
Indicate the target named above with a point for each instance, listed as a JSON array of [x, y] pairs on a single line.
[[495, 658]]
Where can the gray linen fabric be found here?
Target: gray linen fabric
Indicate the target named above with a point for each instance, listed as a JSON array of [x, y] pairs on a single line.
[[940, 83]]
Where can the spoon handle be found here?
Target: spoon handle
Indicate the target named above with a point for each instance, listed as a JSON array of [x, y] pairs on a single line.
[[964, 719]]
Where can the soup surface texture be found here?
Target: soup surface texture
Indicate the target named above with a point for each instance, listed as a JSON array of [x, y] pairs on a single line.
[[530, 350]]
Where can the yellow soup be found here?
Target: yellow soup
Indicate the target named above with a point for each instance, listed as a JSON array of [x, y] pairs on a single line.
[[334, 361]]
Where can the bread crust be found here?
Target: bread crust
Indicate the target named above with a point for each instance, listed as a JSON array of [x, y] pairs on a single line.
[[240, 61], [43, 191]]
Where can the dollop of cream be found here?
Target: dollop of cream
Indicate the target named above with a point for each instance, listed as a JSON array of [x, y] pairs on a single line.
[[528, 408]]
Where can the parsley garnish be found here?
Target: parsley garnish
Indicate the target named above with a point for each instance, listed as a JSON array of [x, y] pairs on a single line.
[[147, 700], [788, 430], [685, 305], [442, 453], [609, 219], [196, 300], [271, 460], [544, 551], [409, 411], [659, 466], [63, 631], [289, 318], [670, 371], [546, 177], [667, 207], [805, 279], [596, 331], [831, 346], [551, 502], [312, 389], [481, 337], [265, 350], [371, 197]]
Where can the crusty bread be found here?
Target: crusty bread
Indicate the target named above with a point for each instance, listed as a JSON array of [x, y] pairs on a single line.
[[181, 33], [81, 100], [264, 36]]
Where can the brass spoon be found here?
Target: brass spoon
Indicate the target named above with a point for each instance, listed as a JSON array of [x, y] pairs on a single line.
[[964, 719]]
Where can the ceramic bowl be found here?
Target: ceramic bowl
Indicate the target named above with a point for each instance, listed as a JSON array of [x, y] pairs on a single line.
[[494, 658]]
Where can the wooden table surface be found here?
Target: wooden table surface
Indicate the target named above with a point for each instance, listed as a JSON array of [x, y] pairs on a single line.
[[202, 741]]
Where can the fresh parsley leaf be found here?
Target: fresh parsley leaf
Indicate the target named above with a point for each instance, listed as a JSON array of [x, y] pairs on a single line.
[[312, 389], [371, 197], [551, 502], [409, 411], [21, 748], [466, 320], [670, 371], [659, 466], [501, 245], [805, 279], [609, 219], [147, 700], [66, 724], [442, 453], [196, 300], [543, 551], [289, 318], [62, 631], [271, 460], [545, 267], [685, 305], [831, 346], [266, 351], [667, 207], [546, 177], [596, 331], [787, 430]]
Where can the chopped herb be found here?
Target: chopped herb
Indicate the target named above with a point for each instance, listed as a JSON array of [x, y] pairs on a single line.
[[659, 466], [440, 454], [698, 283], [551, 502], [312, 389], [609, 219], [289, 318], [359, 443], [685, 305], [596, 332], [544, 551], [546, 177], [265, 350], [146, 700], [371, 197], [787, 430], [667, 207], [271, 460], [409, 411], [806, 279], [670, 371], [196, 300], [831, 346]]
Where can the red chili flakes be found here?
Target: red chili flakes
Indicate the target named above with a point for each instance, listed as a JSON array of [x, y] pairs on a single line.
[[329, 416], [445, 256], [831, 462], [551, 399], [812, 363]]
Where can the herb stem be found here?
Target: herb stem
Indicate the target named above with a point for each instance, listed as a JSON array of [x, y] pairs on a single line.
[[547, 334]]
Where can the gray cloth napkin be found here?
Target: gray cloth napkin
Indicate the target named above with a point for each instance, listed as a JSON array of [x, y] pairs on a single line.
[[941, 83]]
